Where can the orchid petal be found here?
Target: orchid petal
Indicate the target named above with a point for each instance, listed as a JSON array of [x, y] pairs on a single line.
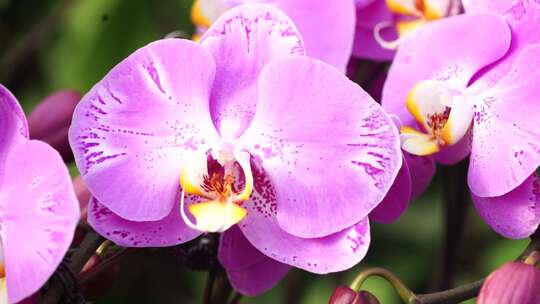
[[242, 41], [422, 169], [450, 50], [250, 272], [487, 6], [523, 17], [330, 150], [327, 30], [506, 134], [342, 250], [133, 131], [169, 231], [516, 214], [397, 199], [12, 123], [39, 215]]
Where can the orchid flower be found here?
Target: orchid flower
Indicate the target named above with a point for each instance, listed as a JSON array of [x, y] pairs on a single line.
[[240, 134], [381, 25], [431, 88], [38, 207], [327, 28]]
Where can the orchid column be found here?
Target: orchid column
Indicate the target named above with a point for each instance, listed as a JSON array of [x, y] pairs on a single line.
[[241, 134]]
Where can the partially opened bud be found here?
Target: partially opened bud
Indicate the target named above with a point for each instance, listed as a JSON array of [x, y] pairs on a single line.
[[512, 283], [345, 295], [51, 118]]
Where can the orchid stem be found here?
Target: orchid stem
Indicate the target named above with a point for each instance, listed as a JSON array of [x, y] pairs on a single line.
[[402, 290], [236, 299], [210, 280], [455, 204]]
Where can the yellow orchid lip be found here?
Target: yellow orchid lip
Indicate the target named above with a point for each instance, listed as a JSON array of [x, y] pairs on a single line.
[[197, 15], [443, 114], [223, 208]]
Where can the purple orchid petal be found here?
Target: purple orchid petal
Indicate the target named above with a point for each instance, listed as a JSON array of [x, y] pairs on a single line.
[[169, 231], [451, 50], [39, 215], [250, 272], [362, 3], [422, 170], [327, 30], [524, 20], [331, 152], [506, 135], [397, 199], [515, 215], [132, 131], [12, 123], [367, 17], [243, 40], [341, 250], [487, 6], [457, 152]]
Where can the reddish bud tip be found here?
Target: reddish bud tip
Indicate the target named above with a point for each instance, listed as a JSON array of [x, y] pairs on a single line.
[[512, 283], [51, 118], [345, 295]]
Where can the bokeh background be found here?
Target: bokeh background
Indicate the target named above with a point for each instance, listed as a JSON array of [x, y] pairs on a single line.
[[69, 44]]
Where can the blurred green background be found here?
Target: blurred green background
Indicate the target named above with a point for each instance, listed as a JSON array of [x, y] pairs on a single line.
[[51, 45]]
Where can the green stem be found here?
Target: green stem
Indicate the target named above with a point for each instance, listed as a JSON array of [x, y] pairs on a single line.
[[210, 280], [404, 293]]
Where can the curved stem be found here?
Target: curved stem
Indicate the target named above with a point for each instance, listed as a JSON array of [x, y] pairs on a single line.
[[404, 293], [450, 296]]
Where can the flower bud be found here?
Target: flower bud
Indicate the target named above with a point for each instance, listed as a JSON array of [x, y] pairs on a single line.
[[512, 283], [51, 118], [345, 295]]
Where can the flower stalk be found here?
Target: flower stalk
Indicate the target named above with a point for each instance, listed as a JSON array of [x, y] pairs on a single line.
[[406, 295]]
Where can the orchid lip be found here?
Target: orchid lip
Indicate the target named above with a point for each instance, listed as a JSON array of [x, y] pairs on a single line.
[[444, 115], [223, 206]]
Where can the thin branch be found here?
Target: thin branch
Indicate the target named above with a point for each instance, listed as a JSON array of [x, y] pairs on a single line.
[[451, 296], [210, 280], [471, 290], [236, 299]]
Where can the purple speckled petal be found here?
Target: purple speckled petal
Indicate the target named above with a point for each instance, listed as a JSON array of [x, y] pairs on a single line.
[[39, 215], [331, 152], [132, 131], [327, 30], [250, 272], [13, 126], [506, 135], [341, 250], [516, 214], [450, 50], [243, 41], [397, 199], [524, 20], [422, 170], [169, 231]]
